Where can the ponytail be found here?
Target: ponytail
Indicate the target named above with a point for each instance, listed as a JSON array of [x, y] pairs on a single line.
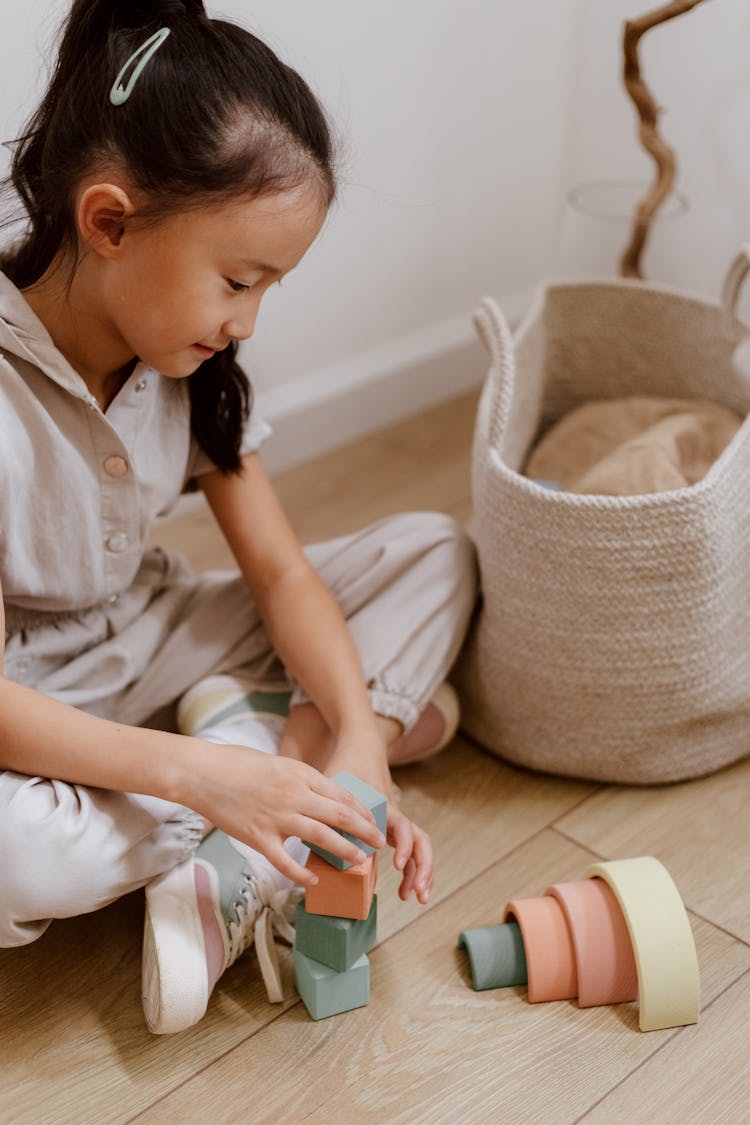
[[214, 116]]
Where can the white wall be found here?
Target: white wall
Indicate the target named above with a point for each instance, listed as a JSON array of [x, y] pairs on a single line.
[[697, 69], [463, 127], [454, 119]]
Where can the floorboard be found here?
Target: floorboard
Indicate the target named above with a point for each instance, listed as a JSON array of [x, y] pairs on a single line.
[[427, 1048]]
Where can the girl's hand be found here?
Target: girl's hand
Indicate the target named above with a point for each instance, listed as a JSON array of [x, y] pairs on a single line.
[[412, 855], [412, 849], [262, 800]]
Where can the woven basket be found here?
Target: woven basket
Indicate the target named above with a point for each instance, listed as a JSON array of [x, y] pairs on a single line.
[[613, 639]]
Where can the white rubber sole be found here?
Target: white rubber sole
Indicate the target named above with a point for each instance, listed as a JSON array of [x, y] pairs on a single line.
[[174, 977]]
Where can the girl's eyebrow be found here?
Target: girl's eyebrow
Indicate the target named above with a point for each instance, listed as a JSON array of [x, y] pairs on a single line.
[[255, 264]]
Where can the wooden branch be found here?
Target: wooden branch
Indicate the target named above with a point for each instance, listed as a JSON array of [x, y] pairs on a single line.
[[652, 141]]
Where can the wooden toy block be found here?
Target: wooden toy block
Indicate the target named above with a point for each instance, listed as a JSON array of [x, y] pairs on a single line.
[[336, 942], [341, 894], [326, 992], [371, 799], [548, 943], [605, 963], [621, 932], [662, 940], [496, 955]]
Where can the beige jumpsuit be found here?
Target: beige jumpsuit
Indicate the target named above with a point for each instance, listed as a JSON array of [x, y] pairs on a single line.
[[99, 621]]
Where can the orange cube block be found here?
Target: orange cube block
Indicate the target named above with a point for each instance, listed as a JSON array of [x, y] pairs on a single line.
[[341, 894]]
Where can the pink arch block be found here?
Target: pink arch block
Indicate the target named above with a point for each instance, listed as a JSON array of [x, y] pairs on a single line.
[[601, 942]]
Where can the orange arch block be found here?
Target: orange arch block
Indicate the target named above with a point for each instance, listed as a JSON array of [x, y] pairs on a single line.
[[550, 960]]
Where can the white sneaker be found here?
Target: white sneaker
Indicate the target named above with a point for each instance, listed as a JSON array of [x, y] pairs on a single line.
[[200, 917]]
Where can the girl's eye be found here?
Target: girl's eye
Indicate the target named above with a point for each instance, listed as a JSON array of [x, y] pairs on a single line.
[[237, 286]]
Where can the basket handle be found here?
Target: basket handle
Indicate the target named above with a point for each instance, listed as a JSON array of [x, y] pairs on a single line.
[[730, 293], [492, 329]]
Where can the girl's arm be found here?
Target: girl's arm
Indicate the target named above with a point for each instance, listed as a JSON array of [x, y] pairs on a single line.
[[255, 797], [302, 618], [310, 634]]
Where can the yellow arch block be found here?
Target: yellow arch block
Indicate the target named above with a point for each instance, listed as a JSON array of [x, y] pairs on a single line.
[[665, 957]]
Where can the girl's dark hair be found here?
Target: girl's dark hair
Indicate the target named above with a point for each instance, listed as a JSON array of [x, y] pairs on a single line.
[[213, 116]]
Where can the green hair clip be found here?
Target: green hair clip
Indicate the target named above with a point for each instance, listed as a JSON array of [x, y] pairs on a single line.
[[119, 93]]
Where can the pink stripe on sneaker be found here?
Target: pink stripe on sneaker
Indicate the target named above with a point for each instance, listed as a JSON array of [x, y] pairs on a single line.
[[215, 956]]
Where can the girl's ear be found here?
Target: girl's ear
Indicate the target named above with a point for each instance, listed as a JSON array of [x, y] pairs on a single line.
[[101, 213]]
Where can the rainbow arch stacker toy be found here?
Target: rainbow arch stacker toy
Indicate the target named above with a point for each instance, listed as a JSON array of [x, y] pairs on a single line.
[[621, 933], [336, 925]]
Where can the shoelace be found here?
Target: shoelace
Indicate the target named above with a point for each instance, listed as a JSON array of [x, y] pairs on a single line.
[[263, 886]]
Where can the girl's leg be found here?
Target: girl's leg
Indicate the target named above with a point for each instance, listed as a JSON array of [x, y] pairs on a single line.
[[202, 914], [407, 586], [68, 850], [308, 738]]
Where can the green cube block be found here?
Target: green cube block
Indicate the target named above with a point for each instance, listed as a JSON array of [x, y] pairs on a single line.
[[326, 992], [371, 799], [336, 942]]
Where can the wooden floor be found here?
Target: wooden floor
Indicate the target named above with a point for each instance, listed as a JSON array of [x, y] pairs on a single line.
[[427, 1048]]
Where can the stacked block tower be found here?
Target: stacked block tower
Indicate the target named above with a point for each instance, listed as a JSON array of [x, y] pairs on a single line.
[[335, 926]]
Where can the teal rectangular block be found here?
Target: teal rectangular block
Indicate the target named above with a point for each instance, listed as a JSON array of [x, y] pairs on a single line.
[[371, 799], [326, 992], [336, 942]]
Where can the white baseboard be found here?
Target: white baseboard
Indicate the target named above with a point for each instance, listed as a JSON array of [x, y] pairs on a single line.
[[355, 397]]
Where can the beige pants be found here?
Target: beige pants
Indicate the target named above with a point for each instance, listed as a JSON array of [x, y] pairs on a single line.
[[406, 586]]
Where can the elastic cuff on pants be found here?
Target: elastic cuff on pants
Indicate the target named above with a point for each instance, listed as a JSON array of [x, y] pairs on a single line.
[[191, 832], [393, 706], [389, 704]]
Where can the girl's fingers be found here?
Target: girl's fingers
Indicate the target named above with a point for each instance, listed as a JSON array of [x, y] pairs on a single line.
[[284, 863], [346, 815], [401, 837], [319, 783], [407, 883], [412, 856], [424, 865], [322, 836]]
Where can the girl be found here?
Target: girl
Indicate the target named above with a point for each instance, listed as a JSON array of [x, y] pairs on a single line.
[[173, 172]]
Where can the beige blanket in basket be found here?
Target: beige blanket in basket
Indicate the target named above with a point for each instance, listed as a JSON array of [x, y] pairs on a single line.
[[629, 446]]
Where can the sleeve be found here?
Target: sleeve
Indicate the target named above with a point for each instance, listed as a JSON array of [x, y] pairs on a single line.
[[256, 432]]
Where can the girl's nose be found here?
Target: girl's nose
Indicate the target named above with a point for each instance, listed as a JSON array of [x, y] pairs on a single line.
[[242, 324]]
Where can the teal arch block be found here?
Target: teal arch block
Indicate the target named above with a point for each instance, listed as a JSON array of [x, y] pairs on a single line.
[[336, 942], [372, 800], [326, 992], [496, 954]]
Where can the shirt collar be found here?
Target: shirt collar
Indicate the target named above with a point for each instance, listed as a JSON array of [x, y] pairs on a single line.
[[23, 334]]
